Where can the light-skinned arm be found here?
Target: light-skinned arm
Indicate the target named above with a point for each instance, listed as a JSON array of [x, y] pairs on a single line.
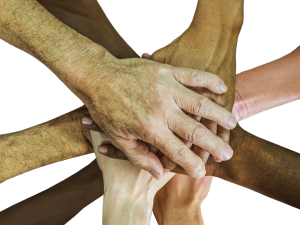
[[128, 190], [89, 71], [268, 86]]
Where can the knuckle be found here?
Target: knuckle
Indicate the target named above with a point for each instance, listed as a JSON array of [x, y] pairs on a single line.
[[149, 133], [198, 78], [162, 69], [203, 107], [182, 153], [198, 134], [178, 153]]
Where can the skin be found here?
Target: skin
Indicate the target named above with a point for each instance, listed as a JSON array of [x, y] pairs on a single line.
[[126, 96], [38, 146], [212, 82], [55, 197], [128, 199], [253, 95], [184, 51]]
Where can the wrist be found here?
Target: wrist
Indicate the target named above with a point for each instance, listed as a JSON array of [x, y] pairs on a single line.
[[178, 215], [121, 208], [240, 106], [239, 141], [79, 129], [78, 73]]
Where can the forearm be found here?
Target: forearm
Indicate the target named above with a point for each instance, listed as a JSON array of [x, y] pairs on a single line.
[[219, 23], [87, 18], [122, 208], [59, 139], [30, 27], [268, 86], [263, 167], [190, 214], [71, 195], [216, 26], [219, 14]]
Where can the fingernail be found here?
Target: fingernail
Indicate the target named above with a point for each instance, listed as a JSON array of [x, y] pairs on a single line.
[[154, 174], [201, 174], [232, 123], [87, 121], [103, 150], [227, 154], [223, 88]]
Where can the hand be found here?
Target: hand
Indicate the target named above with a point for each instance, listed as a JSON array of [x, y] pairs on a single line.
[[142, 102], [122, 177], [180, 197], [194, 50]]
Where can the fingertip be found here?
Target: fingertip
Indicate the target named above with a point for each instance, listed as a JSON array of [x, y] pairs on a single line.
[[102, 149], [87, 120], [146, 56], [201, 174], [217, 159], [155, 174], [165, 171], [223, 88]]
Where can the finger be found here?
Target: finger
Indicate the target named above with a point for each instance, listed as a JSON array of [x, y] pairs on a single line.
[[198, 105], [196, 78], [204, 155], [146, 56], [89, 123], [196, 133], [224, 134], [179, 153], [139, 155], [167, 162], [111, 152]]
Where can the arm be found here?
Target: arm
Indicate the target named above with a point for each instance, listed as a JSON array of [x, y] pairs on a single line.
[[38, 146], [267, 86], [71, 56], [209, 44], [263, 167], [60, 203], [89, 19], [128, 191]]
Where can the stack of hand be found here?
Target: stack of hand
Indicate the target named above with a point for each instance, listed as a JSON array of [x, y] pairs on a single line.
[[205, 105], [167, 113]]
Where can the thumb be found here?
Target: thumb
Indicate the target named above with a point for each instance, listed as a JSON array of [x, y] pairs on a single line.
[[89, 123], [140, 156]]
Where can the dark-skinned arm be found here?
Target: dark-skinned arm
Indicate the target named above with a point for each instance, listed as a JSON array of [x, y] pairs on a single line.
[[263, 167]]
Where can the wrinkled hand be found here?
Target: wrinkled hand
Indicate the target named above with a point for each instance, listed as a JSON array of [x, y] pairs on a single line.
[[137, 101], [194, 50]]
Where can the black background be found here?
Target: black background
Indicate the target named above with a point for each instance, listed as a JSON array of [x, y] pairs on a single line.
[[31, 94]]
